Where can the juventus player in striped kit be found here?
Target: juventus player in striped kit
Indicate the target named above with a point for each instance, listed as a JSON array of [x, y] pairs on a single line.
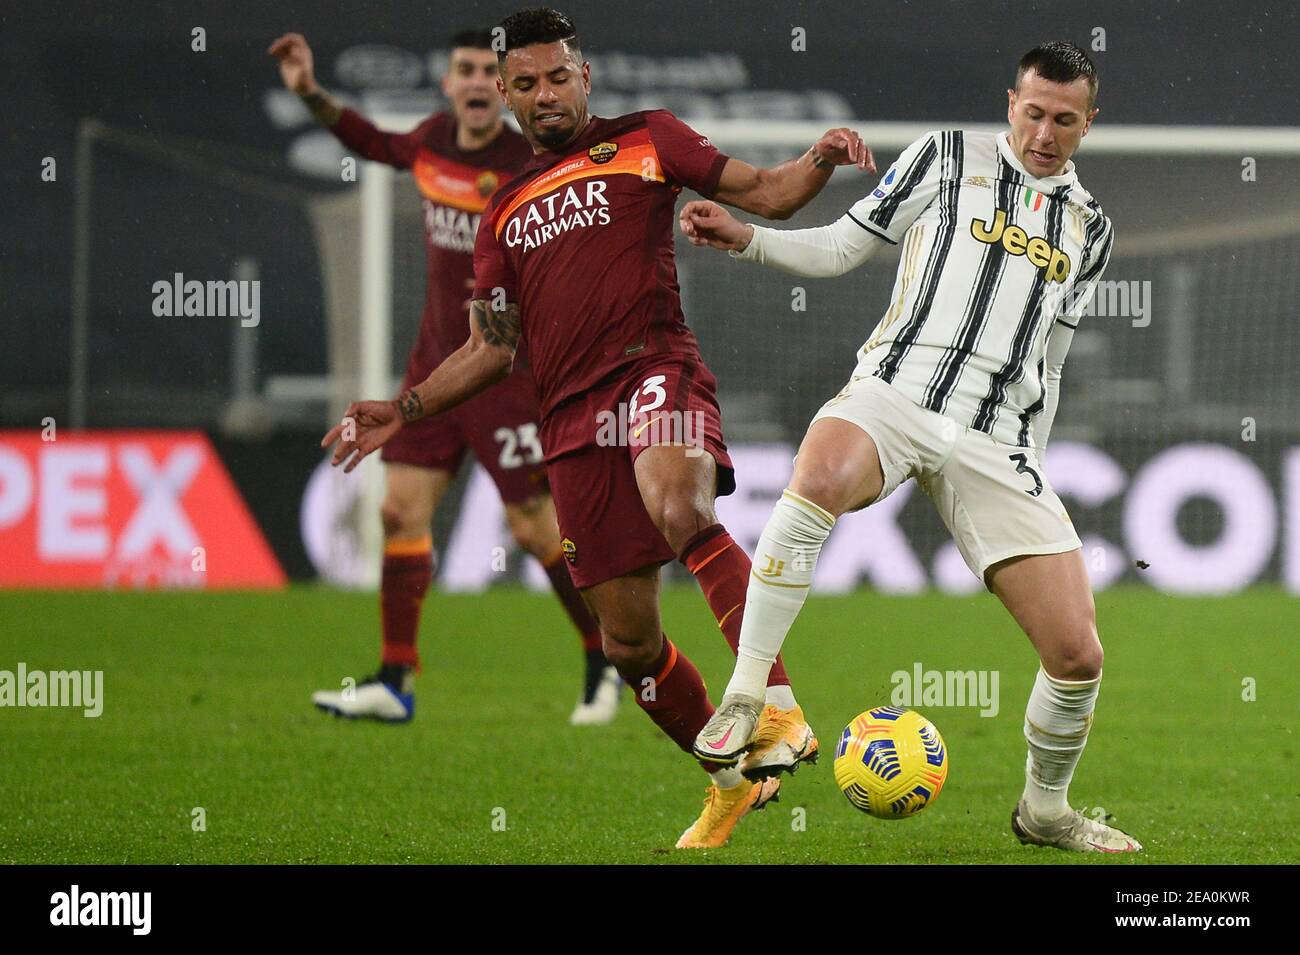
[[1002, 249]]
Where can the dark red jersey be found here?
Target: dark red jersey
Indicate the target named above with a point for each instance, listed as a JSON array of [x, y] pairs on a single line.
[[582, 239], [455, 185]]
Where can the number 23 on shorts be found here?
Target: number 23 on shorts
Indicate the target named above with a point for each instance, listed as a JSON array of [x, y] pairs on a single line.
[[514, 440]]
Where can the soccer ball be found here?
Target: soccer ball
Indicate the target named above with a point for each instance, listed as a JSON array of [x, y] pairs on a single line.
[[891, 762]]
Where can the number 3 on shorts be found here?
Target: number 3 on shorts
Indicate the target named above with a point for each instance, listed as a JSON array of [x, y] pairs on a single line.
[[652, 388], [513, 439], [1022, 467]]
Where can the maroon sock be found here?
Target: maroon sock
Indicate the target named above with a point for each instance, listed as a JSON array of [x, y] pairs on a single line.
[[722, 570], [672, 693], [407, 571], [572, 602]]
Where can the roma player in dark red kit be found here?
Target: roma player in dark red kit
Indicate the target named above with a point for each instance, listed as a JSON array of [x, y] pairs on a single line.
[[458, 159], [574, 259]]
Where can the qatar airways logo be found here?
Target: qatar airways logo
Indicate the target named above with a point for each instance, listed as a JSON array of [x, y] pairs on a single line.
[[580, 205], [448, 228]]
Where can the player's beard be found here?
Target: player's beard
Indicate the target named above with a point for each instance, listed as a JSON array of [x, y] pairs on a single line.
[[552, 137]]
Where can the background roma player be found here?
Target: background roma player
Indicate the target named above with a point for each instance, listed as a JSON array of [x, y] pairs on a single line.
[[458, 157], [575, 258]]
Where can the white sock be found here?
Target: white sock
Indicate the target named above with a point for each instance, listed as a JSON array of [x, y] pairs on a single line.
[[778, 585], [782, 697], [1057, 722], [727, 778]]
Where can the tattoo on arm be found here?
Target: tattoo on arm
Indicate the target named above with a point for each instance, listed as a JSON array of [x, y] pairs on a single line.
[[324, 108], [409, 405], [818, 161], [500, 327]]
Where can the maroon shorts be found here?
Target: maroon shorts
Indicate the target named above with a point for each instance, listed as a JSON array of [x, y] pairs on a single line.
[[594, 439], [500, 426]]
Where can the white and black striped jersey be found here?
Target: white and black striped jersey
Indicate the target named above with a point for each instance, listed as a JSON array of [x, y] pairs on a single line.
[[992, 258]]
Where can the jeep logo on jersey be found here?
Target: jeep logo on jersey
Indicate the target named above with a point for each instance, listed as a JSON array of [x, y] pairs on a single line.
[[487, 183], [574, 207], [1016, 241], [602, 153]]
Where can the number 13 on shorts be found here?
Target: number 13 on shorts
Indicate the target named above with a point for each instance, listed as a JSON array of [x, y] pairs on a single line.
[[653, 390]]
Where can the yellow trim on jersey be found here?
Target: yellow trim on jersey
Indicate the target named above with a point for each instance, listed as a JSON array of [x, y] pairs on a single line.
[[911, 258], [640, 160], [449, 183]]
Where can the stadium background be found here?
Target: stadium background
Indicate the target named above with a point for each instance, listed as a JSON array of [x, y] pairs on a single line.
[[202, 164]]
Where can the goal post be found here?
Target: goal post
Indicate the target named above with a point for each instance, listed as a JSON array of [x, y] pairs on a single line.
[[375, 341]]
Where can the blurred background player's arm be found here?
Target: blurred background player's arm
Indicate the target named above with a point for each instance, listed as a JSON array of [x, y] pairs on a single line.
[[1062, 334], [297, 70], [783, 190], [820, 252], [1058, 343], [485, 359]]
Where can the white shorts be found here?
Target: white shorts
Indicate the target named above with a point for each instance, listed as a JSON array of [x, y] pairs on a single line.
[[993, 497]]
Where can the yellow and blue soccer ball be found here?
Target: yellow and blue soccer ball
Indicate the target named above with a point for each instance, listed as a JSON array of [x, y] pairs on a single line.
[[891, 762]]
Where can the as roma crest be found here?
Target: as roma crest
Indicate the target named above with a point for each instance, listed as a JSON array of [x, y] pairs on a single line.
[[487, 183], [602, 153]]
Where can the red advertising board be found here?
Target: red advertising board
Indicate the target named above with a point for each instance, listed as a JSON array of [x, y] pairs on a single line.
[[125, 509]]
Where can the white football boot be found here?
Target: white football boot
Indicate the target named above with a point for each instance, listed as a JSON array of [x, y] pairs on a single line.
[[601, 708], [730, 731], [372, 699], [1073, 832]]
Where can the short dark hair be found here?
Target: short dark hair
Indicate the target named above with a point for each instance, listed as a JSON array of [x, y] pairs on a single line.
[[474, 39], [1059, 62], [540, 25]]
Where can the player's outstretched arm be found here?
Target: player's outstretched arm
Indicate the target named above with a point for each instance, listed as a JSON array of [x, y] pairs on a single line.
[[821, 252], [485, 358], [298, 71], [783, 190]]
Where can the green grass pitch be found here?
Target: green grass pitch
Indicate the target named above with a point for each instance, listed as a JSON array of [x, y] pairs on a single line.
[[206, 705]]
